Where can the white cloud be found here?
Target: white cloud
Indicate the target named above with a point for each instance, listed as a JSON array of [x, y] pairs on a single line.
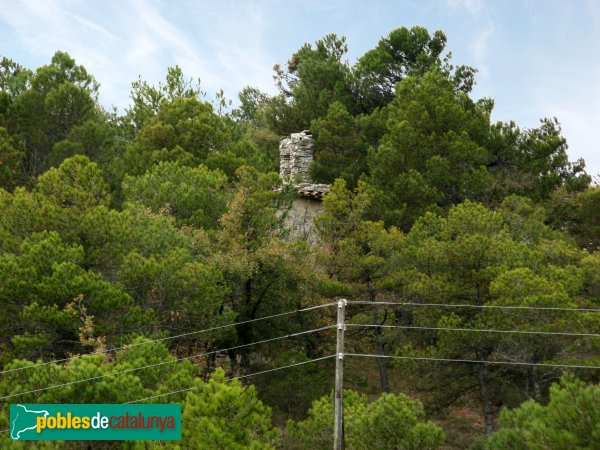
[[234, 37], [162, 39], [47, 26], [479, 47], [471, 6], [118, 41], [230, 44], [578, 110]]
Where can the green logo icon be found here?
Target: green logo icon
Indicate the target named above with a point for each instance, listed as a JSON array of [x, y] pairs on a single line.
[[95, 422], [23, 420]]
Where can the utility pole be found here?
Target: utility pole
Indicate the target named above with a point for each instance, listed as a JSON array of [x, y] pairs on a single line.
[[338, 426]]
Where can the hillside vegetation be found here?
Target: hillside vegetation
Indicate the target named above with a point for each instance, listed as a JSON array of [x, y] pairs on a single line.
[[124, 235]]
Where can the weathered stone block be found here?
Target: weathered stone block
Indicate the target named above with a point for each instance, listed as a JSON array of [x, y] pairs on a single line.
[[296, 152]]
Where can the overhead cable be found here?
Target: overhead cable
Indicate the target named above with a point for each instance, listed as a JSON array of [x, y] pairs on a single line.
[[475, 330], [166, 362], [234, 378], [466, 305], [206, 330], [474, 361]]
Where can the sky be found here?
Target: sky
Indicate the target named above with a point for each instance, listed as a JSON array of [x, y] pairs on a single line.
[[535, 58]]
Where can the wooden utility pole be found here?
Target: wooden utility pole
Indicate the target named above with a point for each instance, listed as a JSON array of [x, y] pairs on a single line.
[[338, 425]]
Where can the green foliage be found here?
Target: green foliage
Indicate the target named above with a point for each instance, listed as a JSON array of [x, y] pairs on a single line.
[[216, 414], [98, 140], [252, 219], [24, 213], [532, 162], [14, 79], [482, 257], [570, 420], [314, 79], [187, 130], [318, 76], [147, 99], [76, 183], [227, 415], [291, 393], [342, 211], [253, 114], [399, 425], [316, 431], [193, 195], [54, 99], [401, 53], [342, 147], [358, 252], [11, 160], [110, 235], [402, 119], [185, 294], [591, 265], [170, 219], [183, 130], [264, 274], [577, 213], [432, 154], [252, 107], [391, 421], [40, 282]]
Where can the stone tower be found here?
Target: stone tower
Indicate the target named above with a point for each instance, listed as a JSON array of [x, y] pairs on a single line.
[[296, 152]]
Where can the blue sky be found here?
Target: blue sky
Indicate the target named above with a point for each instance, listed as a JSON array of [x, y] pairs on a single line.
[[535, 58]]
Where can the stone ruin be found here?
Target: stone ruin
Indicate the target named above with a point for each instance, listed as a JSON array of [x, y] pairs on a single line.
[[296, 153]]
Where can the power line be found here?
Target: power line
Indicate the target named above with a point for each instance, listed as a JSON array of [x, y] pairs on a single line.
[[168, 362], [475, 361], [477, 330], [234, 378], [206, 330], [228, 379], [458, 305]]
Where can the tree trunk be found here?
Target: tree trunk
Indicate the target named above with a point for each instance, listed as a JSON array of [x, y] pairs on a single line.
[[381, 361], [244, 332], [211, 362], [233, 362], [383, 375], [537, 389], [488, 410]]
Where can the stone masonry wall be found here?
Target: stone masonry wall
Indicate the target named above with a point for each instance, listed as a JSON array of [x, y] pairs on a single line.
[[296, 152]]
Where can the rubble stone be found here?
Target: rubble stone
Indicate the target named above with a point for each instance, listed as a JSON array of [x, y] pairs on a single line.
[[296, 152]]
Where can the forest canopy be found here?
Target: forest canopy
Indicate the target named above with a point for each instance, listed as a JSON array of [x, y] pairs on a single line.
[[125, 235]]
